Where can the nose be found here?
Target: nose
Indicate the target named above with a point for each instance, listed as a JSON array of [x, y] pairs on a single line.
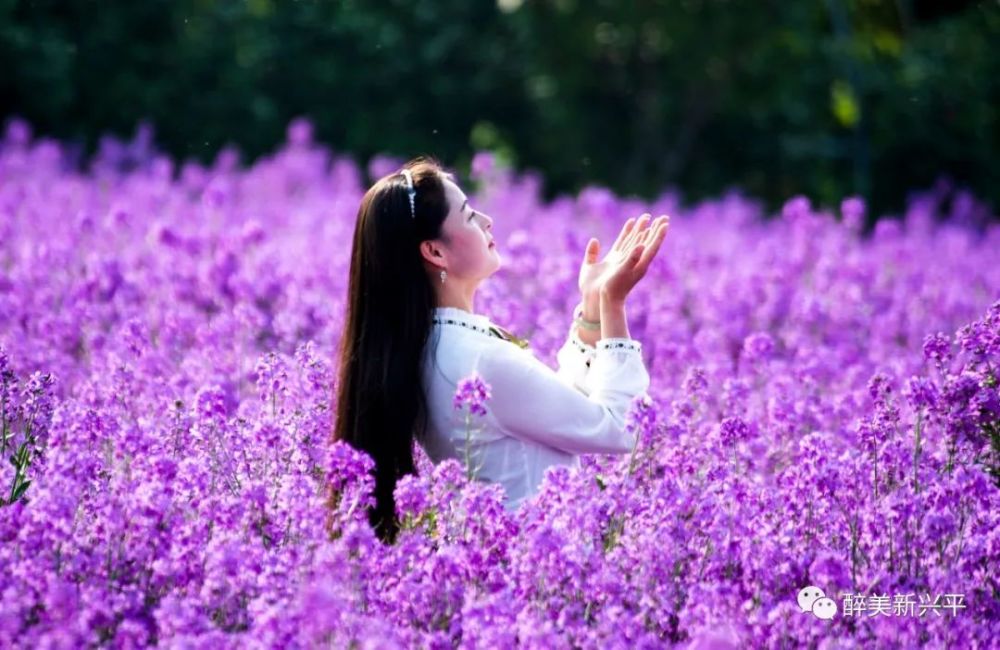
[[487, 221]]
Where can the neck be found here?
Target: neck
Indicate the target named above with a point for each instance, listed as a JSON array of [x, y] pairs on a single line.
[[451, 294]]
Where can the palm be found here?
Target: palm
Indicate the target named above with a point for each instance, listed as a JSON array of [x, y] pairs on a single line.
[[594, 275], [615, 271]]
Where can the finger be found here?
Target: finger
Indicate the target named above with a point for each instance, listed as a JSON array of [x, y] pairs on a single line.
[[593, 250], [651, 232], [626, 229], [636, 255], [654, 245], [644, 237], [633, 236]]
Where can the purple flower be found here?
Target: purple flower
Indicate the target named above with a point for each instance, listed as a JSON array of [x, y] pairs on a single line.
[[136, 336], [870, 435], [472, 392], [381, 165], [18, 132], [853, 211], [796, 208], [938, 525], [733, 430], [715, 638], [165, 468], [218, 193], [758, 346], [880, 387], [6, 372], [921, 392], [483, 163], [314, 366], [300, 132], [735, 393], [345, 464], [830, 570], [937, 348], [411, 496], [695, 382], [987, 403], [974, 337], [37, 404], [640, 419], [272, 377], [596, 200], [210, 402]]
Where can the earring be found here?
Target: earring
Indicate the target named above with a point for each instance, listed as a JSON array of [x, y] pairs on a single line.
[[444, 274]]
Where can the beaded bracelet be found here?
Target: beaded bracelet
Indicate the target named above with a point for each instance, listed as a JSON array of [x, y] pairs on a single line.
[[579, 320]]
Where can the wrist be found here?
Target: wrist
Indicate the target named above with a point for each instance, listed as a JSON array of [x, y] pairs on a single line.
[[584, 321], [607, 300], [613, 321], [588, 337], [591, 302]]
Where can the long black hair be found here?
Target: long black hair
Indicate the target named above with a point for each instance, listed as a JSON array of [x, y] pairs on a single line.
[[381, 406]]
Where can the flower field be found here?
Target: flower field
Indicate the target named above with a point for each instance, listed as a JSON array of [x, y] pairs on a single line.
[[825, 413]]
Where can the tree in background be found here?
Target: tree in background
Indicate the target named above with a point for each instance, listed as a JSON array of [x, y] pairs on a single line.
[[825, 98]]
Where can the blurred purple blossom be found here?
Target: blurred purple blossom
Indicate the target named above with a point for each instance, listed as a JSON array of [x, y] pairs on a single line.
[[758, 346]]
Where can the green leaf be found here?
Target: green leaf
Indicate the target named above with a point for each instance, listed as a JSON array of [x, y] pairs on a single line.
[[844, 104], [20, 490]]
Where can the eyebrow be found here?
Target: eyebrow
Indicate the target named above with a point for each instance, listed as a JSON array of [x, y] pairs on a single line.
[[464, 204]]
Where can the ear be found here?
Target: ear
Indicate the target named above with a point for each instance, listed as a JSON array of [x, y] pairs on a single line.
[[432, 251]]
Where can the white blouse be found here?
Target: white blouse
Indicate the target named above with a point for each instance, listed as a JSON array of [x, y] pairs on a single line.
[[536, 417]]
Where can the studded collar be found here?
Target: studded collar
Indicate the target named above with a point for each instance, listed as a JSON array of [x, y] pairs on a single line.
[[476, 323]]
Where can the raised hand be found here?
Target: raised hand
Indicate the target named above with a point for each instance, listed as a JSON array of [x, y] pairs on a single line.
[[593, 273], [630, 256]]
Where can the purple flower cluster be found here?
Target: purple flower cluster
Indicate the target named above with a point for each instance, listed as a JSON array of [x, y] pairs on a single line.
[[758, 345], [823, 411], [733, 430], [472, 393]]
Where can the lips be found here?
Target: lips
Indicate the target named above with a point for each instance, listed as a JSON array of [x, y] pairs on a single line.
[[492, 244]]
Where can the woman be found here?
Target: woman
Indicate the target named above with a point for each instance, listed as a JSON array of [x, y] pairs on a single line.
[[420, 251]]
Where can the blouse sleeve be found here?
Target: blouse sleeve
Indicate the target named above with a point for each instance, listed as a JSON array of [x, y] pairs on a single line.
[[574, 359], [531, 402]]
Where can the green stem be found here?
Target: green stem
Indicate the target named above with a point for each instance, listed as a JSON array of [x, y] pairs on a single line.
[[631, 459], [3, 419], [875, 471], [468, 439], [916, 451], [854, 556], [20, 462]]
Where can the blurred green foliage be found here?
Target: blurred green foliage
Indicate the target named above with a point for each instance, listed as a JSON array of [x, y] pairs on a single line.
[[822, 97]]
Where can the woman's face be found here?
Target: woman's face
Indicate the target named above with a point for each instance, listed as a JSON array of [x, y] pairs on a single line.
[[466, 243]]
